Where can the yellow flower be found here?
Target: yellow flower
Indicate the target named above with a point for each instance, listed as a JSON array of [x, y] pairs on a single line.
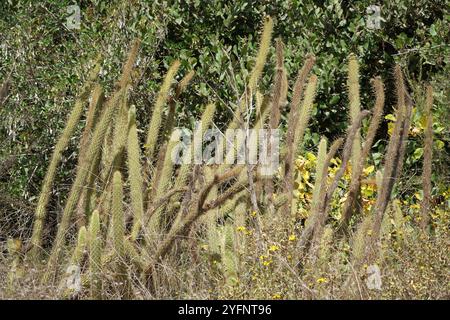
[[335, 161], [305, 175], [267, 263], [276, 296], [274, 248], [241, 229], [311, 157], [253, 214], [322, 280], [368, 170], [300, 162], [292, 237]]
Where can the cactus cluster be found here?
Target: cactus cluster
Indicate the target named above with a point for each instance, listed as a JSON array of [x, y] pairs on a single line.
[[141, 206]]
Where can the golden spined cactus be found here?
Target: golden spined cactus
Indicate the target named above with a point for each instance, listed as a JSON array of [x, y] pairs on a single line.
[[95, 254], [325, 248], [69, 284], [399, 221], [180, 88], [240, 227], [118, 227], [61, 145], [355, 104], [255, 74], [210, 218], [120, 134], [84, 202], [427, 160], [392, 157], [80, 248], [118, 234], [279, 97], [280, 87], [128, 67], [154, 228], [305, 113], [264, 46], [316, 201], [293, 150], [186, 168], [293, 119], [135, 174], [155, 122], [321, 157], [82, 173], [349, 205], [229, 262], [316, 219], [358, 242]]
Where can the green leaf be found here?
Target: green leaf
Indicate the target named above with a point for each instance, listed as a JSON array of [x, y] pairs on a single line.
[[439, 144], [418, 154]]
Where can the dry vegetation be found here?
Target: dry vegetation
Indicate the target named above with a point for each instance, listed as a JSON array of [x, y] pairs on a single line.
[[135, 225]]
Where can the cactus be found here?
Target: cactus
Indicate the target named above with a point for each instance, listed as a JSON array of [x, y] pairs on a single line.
[[263, 51], [391, 158], [82, 173], [358, 167], [155, 123], [305, 113], [75, 262], [78, 252], [154, 227], [61, 145], [279, 97], [355, 105], [363, 231], [321, 156], [118, 233], [185, 169], [95, 253], [293, 119], [229, 262], [211, 217], [135, 174], [118, 228], [427, 159], [85, 197]]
